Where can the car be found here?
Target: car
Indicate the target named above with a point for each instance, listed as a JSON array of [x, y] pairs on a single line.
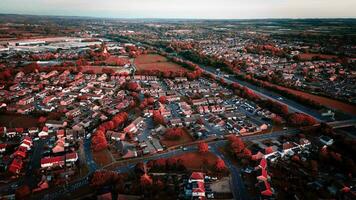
[[285, 128], [210, 195], [280, 98]]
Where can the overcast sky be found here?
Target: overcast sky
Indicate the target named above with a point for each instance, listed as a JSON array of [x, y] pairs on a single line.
[[212, 9]]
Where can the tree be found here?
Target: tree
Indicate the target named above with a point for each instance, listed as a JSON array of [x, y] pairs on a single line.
[[269, 150], [150, 100], [247, 153], [172, 162], [98, 141], [277, 119], [158, 118], [300, 119], [220, 165], [133, 86], [103, 177], [174, 133], [203, 147], [162, 99], [161, 163], [120, 119], [146, 180], [42, 120], [23, 192], [237, 144]]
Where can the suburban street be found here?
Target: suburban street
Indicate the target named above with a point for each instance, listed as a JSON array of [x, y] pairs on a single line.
[[293, 106], [129, 164]]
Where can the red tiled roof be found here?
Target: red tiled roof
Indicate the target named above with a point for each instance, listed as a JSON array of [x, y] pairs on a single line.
[[267, 191], [197, 175], [3, 146], [27, 138], [263, 163], [15, 166], [20, 153], [56, 159]]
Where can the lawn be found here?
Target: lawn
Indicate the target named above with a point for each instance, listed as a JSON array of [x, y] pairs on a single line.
[[310, 56], [102, 158], [186, 138], [156, 62], [18, 121], [196, 161]]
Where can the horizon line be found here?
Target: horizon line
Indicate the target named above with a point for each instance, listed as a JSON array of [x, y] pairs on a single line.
[[177, 18]]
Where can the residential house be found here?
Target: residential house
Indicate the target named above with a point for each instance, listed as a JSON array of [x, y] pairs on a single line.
[[50, 162], [16, 166], [56, 124]]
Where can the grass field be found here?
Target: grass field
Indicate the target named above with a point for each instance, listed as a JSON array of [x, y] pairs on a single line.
[[198, 161], [186, 138], [310, 56], [156, 62], [102, 158], [18, 121]]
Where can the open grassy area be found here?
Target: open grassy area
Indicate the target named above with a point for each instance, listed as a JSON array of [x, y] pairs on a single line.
[[196, 161], [103, 157], [310, 56], [186, 138], [156, 62], [18, 121]]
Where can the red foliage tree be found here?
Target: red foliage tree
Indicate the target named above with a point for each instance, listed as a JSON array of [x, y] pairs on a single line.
[[237, 144], [158, 118], [220, 165], [120, 119], [98, 141], [174, 133], [160, 162], [150, 100], [203, 147], [247, 153], [103, 177], [23, 192], [146, 180], [300, 119], [277, 119], [162, 99], [42, 120], [172, 161], [133, 86]]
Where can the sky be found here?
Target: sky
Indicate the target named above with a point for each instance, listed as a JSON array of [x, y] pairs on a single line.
[[202, 9]]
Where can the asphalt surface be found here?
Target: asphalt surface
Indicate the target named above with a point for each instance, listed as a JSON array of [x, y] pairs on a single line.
[[238, 187], [293, 106]]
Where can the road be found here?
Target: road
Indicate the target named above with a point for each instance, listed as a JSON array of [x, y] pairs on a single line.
[[88, 155], [127, 165], [293, 106], [237, 184]]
